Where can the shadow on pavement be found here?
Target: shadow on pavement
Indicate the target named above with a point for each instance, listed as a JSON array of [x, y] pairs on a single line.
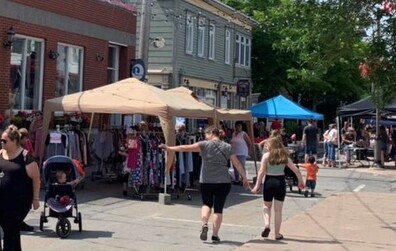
[[288, 239], [102, 192], [75, 235], [233, 243]]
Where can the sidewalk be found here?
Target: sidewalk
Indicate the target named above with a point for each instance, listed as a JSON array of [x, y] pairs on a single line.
[[346, 221], [389, 168]]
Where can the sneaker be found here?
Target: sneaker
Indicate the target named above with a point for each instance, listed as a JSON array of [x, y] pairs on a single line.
[[26, 228], [215, 239], [312, 195], [306, 194], [204, 233]]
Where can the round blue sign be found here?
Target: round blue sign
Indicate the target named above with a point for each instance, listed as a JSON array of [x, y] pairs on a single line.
[[138, 70]]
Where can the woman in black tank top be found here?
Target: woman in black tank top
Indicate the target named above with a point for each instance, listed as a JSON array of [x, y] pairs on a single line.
[[19, 187]]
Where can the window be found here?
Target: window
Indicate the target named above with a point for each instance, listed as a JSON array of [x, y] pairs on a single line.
[[69, 70], [242, 51], [247, 54], [201, 37], [113, 76], [227, 46], [189, 34], [113, 64], [26, 74], [211, 41], [210, 97]]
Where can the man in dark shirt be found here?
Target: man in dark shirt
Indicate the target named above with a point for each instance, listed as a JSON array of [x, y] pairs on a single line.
[[310, 140]]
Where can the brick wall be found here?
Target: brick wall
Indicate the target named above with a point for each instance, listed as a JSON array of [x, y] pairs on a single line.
[[93, 11], [94, 72]]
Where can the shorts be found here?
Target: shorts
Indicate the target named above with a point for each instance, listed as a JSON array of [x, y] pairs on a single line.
[[311, 149], [311, 184], [214, 195], [274, 188]]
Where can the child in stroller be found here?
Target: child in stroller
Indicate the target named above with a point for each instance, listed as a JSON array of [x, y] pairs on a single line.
[[61, 177]]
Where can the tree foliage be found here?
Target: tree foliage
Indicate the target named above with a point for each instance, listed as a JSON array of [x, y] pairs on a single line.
[[312, 49]]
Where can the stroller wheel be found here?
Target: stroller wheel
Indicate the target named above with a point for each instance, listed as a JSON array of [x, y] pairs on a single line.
[[79, 222], [42, 219], [63, 228]]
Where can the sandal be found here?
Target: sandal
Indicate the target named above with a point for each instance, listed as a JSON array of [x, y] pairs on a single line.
[[280, 237], [266, 232], [215, 239], [204, 232]]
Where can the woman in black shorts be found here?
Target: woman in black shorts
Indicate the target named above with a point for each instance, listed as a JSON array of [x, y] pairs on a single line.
[[272, 167], [215, 179]]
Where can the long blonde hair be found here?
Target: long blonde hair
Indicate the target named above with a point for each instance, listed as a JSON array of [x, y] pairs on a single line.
[[277, 152]]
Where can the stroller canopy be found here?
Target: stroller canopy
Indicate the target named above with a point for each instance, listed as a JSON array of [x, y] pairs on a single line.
[[59, 162]]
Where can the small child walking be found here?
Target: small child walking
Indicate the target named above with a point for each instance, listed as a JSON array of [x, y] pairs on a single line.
[[312, 169]]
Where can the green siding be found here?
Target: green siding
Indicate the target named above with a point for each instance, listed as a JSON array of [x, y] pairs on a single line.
[[167, 23]]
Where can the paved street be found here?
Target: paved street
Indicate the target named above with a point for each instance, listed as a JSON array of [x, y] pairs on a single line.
[[111, 222]]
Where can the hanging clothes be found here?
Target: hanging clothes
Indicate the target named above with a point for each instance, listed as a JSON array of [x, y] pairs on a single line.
[[102, 145]]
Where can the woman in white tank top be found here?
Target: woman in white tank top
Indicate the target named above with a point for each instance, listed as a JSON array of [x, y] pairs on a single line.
[[240, 144]]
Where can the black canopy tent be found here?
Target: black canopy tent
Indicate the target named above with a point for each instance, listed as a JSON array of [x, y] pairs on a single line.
[[365, 107]]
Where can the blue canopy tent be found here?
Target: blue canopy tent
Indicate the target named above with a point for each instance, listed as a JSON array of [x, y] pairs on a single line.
[[281, 107]]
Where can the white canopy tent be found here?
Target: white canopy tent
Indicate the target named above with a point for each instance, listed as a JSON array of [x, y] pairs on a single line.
[[129, 96]]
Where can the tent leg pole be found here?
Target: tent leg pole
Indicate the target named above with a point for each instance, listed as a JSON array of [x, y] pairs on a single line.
[[90, 126], [377, 147]]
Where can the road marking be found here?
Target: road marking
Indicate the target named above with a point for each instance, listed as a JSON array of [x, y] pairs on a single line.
[[248, 195], [200, 222], [359, 188]]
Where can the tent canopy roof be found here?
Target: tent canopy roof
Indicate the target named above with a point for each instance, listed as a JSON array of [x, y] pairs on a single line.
[[281, 107], [129, 96], [364, 107]]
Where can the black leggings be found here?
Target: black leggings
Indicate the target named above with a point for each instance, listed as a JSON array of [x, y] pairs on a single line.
[[274, 187], [10, 221], [214, 195]]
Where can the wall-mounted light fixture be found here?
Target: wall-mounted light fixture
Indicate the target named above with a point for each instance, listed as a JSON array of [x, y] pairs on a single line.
[[224, 92], [53, 54], [99, 57], [186, 82], [10, 38]]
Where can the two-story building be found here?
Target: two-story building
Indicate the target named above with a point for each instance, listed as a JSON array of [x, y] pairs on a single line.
[[201, 44], [52, 48]]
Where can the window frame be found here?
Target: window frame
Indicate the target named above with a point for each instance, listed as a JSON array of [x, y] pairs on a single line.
[[201, 40], [116, 67], [81, 66], [212, 42], [227, 46], [24, 68], [189, 34], [243, 51]]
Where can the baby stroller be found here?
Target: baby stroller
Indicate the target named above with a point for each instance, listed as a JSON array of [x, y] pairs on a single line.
[[291, 179], [60, 199]]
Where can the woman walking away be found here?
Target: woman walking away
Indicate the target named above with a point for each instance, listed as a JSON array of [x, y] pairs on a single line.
[[274, 189], [214, 178]]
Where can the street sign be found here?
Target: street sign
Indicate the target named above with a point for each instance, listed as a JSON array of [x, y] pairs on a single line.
[[138, 70]]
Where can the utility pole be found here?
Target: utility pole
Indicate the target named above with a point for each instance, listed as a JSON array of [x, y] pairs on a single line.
[[376, 92], [144, 33]]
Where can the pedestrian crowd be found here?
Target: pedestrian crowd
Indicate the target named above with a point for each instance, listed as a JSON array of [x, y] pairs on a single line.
[[224, 153]]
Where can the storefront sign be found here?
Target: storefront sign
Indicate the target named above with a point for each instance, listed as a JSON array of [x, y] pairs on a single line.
[[243, 88], [138, 70], [55, 138]]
